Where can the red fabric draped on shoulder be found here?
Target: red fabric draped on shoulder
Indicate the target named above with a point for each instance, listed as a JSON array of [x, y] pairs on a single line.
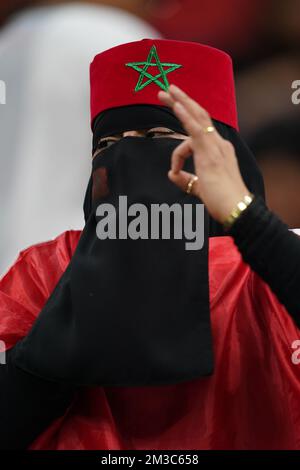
[[252, 401]]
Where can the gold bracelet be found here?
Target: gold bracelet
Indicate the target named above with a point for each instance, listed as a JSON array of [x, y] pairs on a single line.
[[237, 211]]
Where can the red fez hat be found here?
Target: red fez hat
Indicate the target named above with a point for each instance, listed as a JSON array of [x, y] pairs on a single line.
[[133, 73]]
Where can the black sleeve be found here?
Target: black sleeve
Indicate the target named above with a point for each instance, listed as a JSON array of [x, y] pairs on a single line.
[[272, 251]]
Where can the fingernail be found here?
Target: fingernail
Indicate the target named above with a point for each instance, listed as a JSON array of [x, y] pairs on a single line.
[[163, 94], [174, 88]]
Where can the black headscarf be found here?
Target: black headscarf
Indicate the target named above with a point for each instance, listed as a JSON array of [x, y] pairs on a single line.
[[131, 312]]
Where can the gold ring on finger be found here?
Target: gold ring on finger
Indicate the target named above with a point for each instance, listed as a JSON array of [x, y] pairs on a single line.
[[190, 184]]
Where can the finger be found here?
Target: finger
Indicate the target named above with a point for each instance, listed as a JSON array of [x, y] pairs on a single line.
[[191, 105], [166, 99], [209, 142], [192, 126], [182, 180], [180, 154], [184, 117]]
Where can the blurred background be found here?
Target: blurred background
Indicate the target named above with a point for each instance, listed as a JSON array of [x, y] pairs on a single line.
[[45, 139]]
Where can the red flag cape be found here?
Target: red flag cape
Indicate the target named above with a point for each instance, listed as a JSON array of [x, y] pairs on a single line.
[[252, 401]]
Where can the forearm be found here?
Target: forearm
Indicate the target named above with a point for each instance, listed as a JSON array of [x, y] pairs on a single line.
[[272, 251]]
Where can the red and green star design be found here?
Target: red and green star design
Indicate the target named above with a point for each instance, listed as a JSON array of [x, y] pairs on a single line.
[[144, 68]]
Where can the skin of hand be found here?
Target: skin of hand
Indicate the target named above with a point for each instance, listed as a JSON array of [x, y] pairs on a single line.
[[220, 185]]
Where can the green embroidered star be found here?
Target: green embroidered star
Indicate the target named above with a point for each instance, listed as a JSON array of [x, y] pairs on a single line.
[[163, 84]]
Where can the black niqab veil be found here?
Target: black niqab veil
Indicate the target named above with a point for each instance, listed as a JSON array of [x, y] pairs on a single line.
[[131, 312]]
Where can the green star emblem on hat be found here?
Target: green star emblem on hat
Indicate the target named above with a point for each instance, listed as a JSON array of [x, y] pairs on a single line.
[[160, 79]]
